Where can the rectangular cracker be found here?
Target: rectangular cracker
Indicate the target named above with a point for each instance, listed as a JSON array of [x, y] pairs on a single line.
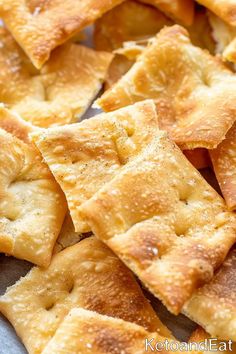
[[85, 156], [88, 332], [180, 10], [40, 26], [57, 94], [130, 21], [225, 9], [194, 92], [214, 305], [224, 162], [164, 221], [32, 205], [86, 275]]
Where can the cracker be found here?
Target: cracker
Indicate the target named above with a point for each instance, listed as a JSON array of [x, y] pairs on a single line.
[[59, 93], [225, 9], [214, 305], [224, 162], [40, 26], [86, 275], [32, 205], [68, 236], [84, 156], [85, 331], [200, 31], [129, 22], [193, 91], [199, 335], [164, 221], [181, 10], [225, 37], [199, 158]]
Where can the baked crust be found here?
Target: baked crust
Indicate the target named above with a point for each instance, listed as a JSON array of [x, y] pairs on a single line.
[[164, 221], [225, 9], [191, 89], [85, 156], [32, 205], [180, 10], [40, 26], [87, 275], [225, 37], [85, 331], [214, 305], [130, 22], [199, 335], [224, 162], [57, 94], [127, 28], [68, 236]]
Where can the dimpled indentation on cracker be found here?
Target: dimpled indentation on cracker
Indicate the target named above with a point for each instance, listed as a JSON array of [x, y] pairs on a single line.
[[32, 205], [164, 221], [193, 91], [85, 156], [57, 94], [86, 275]]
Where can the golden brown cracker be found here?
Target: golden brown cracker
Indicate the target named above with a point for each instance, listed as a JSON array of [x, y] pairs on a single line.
[[164, 221], [57, 94], [214, 305], [85, 156], [40, 26], [87, 332], [224, 162], [130, 21], [86, 275], [225, 9], [180, 10], [193, 91], [32, 205]]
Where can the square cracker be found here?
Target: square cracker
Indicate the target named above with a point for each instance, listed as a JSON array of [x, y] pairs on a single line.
[[180, 10], [224, 162], [32, 205], [85, 275], [88, 332], [214, 305], [40, 26], [164, 221], [194, 92], [127, 28], [130, 22], [85, 156], [60, 92], [225, 9]]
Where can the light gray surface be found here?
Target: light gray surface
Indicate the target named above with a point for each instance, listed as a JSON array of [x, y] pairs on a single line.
[[10, 271]]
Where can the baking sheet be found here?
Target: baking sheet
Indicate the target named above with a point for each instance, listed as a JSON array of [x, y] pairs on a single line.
[[12, 269]]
